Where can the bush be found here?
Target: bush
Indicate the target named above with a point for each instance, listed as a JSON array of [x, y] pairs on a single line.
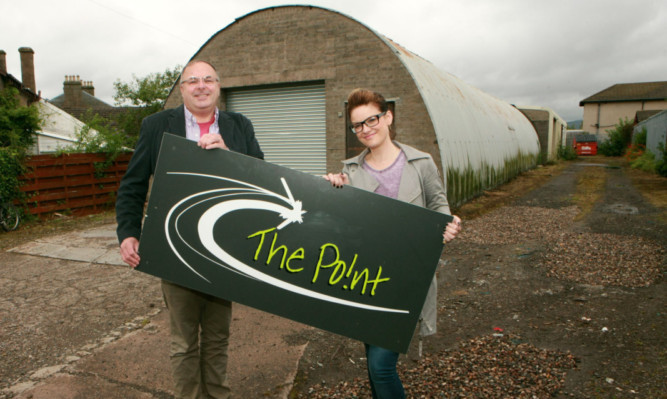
[[100, 135], [645, 162], [662, 169], [11, 167], [566, 153], [635, 151], [618, 140]]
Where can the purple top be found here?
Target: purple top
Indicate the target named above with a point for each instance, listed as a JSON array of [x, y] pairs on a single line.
[[389, 177]]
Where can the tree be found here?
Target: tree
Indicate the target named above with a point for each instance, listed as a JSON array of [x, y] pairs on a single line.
[[18, 125], [145, 96], [100, 135]]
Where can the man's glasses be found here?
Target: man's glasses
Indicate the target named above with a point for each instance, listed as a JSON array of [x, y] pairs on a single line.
[[194, 80], [371, 121]]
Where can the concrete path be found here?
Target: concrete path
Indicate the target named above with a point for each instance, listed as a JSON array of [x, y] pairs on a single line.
[[129, 360]]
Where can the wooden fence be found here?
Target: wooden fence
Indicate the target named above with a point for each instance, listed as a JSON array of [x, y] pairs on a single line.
[[75, 183]]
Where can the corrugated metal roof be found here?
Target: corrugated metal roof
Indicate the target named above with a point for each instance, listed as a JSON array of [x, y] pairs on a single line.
[[474, 129], [647, 91]]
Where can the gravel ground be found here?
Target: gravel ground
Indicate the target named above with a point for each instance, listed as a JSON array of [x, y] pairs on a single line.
[[587, 258], [493, 366], [518, 224], [605, 259]]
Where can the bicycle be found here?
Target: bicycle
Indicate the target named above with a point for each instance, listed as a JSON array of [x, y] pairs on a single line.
[[9, 216]]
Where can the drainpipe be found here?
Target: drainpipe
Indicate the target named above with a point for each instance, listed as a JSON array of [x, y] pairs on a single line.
[[597, 124]]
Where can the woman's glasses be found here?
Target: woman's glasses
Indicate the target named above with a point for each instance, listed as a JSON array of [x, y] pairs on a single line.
[[371, 121]]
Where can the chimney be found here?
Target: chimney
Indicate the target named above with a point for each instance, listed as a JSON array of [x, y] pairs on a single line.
[[28, 68], [88, 87], [3, 62], [72, 89]]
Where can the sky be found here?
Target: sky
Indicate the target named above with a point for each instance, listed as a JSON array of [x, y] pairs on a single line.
[[525, 52]]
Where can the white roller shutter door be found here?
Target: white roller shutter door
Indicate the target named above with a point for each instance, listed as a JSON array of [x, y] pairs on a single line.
[[289, 122]]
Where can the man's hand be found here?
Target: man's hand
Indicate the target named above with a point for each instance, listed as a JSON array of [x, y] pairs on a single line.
[[212, 140], [129, 251]]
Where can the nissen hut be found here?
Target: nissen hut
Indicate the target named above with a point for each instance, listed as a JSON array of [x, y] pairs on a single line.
[[289, 69]]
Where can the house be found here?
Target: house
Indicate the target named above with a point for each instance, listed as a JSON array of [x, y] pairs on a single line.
[[290, 69], [59, 129], [79, 97], [603, 110], [26, 87], [550, 128]]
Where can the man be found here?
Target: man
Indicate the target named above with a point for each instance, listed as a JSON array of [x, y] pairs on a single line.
[[199, 323]]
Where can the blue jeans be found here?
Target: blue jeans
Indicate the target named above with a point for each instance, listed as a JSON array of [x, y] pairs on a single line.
[[382, 374]]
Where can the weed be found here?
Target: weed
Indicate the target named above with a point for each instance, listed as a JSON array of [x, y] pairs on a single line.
[[645, 162]]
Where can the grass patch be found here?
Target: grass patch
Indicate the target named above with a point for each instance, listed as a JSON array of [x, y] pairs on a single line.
[[591, 182]]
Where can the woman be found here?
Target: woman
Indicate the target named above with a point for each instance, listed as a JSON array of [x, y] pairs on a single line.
[[392, 169]]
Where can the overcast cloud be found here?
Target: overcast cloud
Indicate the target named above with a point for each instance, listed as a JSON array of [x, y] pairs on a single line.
[[526, 52]]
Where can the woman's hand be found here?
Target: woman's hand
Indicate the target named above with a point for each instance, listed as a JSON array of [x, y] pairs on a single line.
[[337, 179], [453, 228]]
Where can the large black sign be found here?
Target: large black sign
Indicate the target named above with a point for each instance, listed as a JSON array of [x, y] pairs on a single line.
[[345, 260]]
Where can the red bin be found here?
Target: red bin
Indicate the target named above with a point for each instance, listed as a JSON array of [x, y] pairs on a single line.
[[585, 144]]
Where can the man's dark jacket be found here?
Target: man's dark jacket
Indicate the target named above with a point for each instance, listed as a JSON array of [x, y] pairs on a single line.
[[236, 131]]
